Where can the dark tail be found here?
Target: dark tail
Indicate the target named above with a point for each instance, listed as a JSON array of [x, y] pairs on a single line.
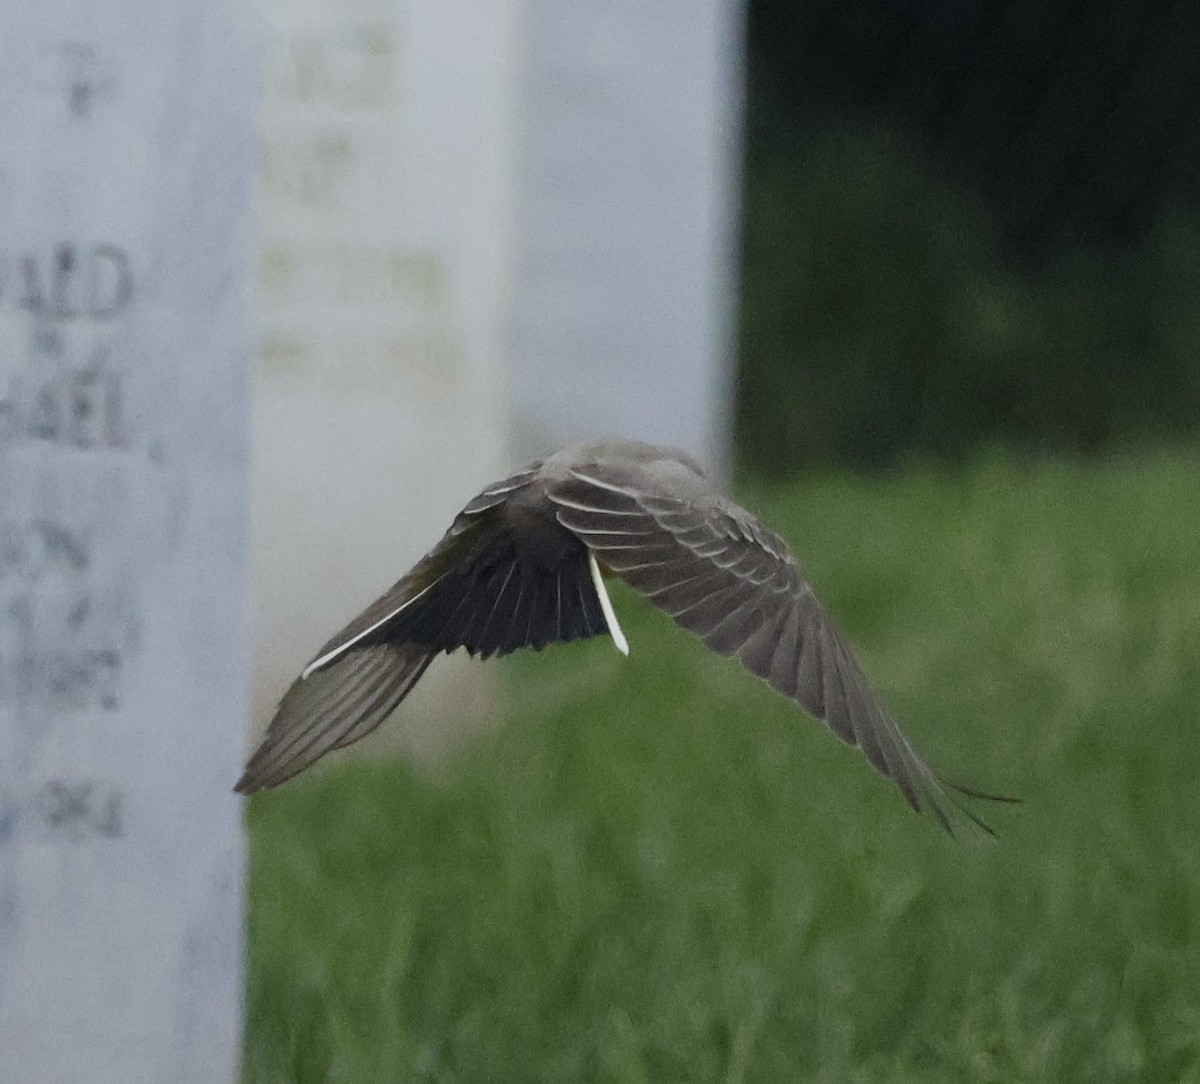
[[504, 600]]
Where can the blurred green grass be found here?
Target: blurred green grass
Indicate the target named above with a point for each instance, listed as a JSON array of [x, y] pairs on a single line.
[[658, 870]]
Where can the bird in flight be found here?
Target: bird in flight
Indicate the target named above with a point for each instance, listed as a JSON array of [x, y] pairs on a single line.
[[522, 566]]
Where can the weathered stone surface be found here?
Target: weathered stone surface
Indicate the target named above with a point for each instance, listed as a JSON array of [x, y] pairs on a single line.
[[125, 344]]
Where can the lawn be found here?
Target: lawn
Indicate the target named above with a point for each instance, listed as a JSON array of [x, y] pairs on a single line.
[[659, 870]]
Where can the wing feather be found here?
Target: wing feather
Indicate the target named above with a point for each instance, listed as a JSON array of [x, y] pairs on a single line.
[[724, 576], [782, 669], [332, 708], [477, 588], [734, 630]]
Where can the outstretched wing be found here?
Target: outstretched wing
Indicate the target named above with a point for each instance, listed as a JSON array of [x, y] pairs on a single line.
[[722, 575], [478, 588], [471, 532], [333, 707]]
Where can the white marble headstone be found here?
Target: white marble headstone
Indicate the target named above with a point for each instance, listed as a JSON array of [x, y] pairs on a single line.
[[126, 162], [628, 201], [381, 404]]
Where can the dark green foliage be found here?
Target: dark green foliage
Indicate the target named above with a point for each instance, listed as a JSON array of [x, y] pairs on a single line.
[[659, 870], [879, 318]]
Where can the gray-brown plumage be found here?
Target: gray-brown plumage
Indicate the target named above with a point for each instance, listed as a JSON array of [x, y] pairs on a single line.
[[517, 568]]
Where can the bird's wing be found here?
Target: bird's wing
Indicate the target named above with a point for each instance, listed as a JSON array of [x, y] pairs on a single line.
[[333, 707], [472, 590], [719, 573], [483, 588], [459, 546]]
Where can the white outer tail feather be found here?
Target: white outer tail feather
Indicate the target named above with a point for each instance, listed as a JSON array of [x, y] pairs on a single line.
[[610, 616]]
